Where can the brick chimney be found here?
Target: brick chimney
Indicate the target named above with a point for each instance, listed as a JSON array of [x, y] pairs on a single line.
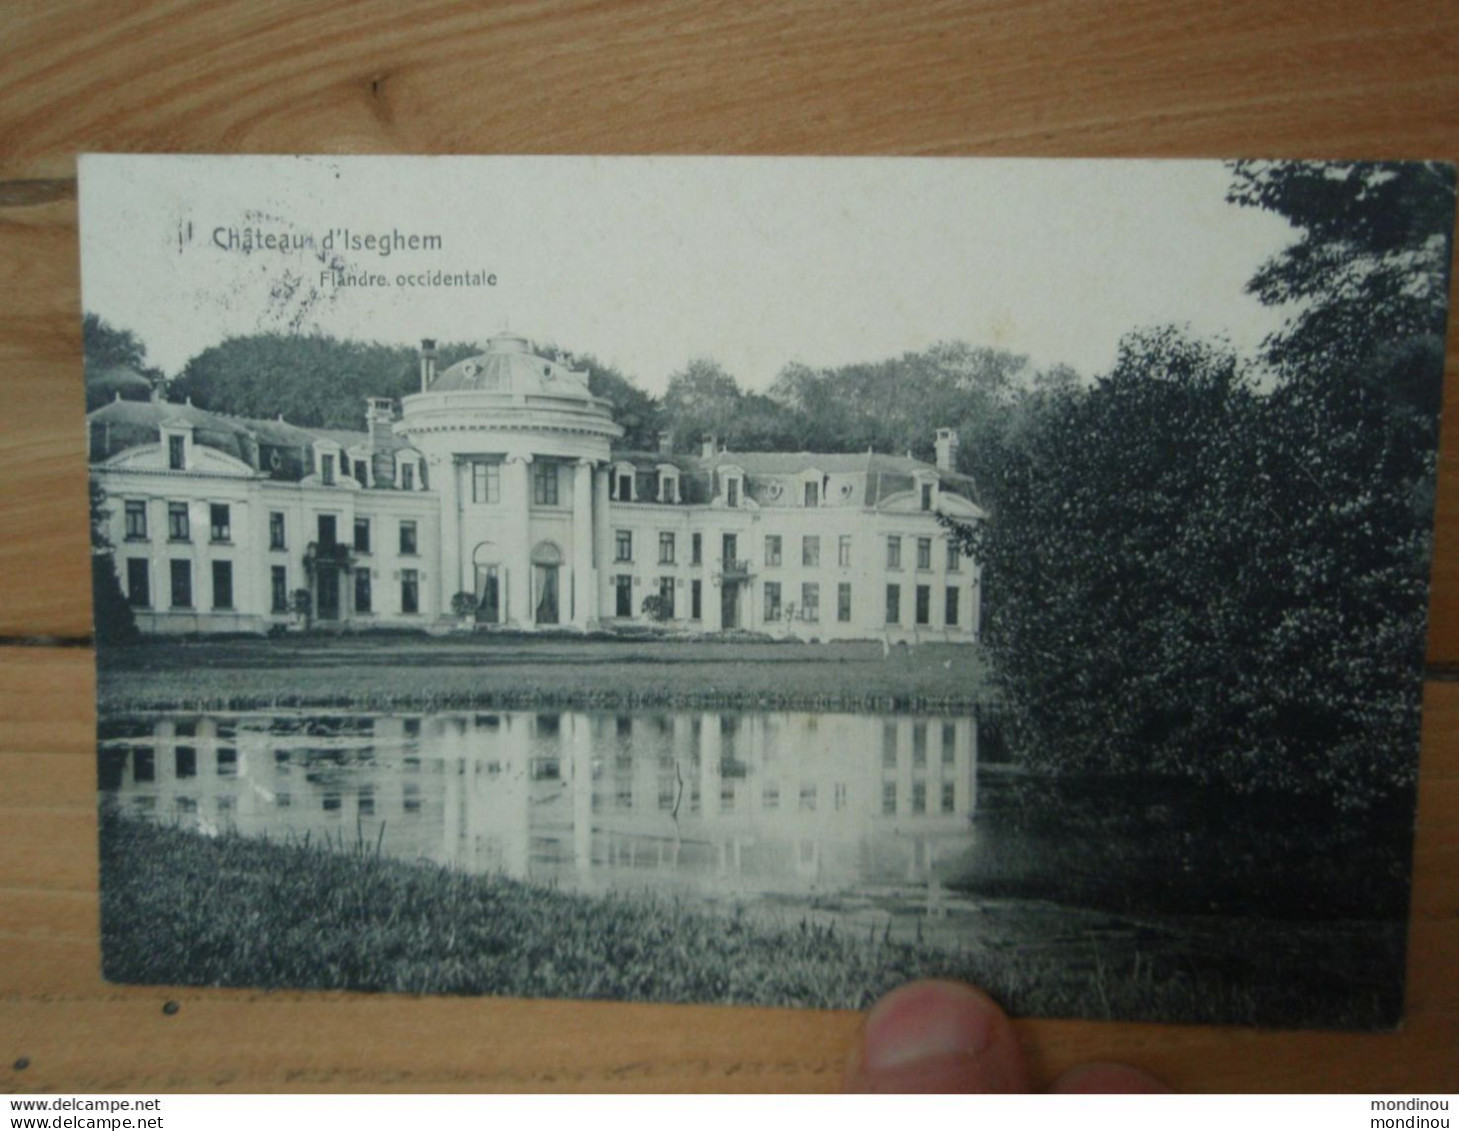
[[666, 443], [427, 363], [946, 445], [710, 447], [379, 417]]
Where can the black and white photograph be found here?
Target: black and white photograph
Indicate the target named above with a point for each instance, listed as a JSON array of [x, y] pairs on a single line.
[[765, 581]]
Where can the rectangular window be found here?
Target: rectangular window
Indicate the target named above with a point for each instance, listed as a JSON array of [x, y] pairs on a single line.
[[894, 604], [732, 493], [919, 797], [889, 746], [222, 585], [954, 557], [810, 601], [544, 484], [361, 476], [179, 528], [952, 610], [486, 481], [136, 520], [772, 600], [808, 797], [666, 548], [927, 496], [276, 530], [666, 596], [924, 553], [409, 591], [812, 494], [362, 535], [176, 452], [139, 586], [623, 595], [696, 549], [924, 604], [182, 584], [220, 525], [623, 546], [407, 477], [729, 549], [625, 487], [407, 538], [668, 489], [843, 550], [696, 599], [362, 591], [894, 551], [949, 744], [810, 550], [919, 745], [326, 470], [949, 796], [889, 799], [279, 586], [772, 549], [843, 602], [328, 530]]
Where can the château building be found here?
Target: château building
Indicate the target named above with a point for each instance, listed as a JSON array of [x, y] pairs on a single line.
[[499, 480]]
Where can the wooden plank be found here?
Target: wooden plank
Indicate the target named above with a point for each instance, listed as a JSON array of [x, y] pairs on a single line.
[[82, 1034], [1042, 78]]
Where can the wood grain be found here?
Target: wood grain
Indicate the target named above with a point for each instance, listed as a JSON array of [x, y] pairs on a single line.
[[1052, 78]]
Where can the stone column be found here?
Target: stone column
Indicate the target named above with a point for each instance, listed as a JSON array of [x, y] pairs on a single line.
[[602, 542], [517, 500], [584, 577], [713, 610], [448, 473]]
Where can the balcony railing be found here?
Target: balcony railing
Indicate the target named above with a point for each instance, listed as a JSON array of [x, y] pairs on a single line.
[[734, 568]]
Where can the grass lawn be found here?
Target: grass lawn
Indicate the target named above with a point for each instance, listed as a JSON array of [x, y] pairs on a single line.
[[185, 909], [378, 672]]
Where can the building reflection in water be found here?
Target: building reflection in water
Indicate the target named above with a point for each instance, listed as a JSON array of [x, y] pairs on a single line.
[[710, 802]]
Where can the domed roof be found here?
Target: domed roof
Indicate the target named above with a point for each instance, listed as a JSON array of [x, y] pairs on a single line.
[[510, 366]]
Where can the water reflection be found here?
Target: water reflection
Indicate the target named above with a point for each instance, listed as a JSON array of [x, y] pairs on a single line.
[[711, 802]]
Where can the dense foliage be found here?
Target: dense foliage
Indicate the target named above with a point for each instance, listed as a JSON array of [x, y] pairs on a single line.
[[1199, 571]]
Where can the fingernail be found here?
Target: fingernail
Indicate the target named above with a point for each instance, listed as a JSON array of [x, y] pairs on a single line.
[[937, 1037], [925, 1022]]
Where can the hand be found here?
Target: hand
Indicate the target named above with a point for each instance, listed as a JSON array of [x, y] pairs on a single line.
[[950, 1037]]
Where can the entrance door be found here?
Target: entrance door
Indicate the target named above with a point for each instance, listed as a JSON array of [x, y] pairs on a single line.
[[327, 598], [730, 605], [488, 594]]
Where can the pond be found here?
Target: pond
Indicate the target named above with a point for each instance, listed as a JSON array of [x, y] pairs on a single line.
[[710, 803]]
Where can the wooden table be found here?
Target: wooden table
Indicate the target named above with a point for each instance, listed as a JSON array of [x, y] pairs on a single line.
[[1350, 78]]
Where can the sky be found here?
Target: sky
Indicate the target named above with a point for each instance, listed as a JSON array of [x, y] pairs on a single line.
[[647, 263]]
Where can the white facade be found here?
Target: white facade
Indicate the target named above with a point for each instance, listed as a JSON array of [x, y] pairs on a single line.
[[499, 483]]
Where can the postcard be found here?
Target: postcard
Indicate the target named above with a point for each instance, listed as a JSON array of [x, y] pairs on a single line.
[[765, 581]]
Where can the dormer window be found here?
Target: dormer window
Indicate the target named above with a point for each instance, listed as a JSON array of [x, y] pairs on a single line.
[[927, 492], [668, 483], [407, 477], [812, 494], [176, 452], [732, 492], [326, 470], [620, 486]]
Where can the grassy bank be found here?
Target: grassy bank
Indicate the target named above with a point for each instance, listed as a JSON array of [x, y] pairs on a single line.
[[181, 908], [382, 672]]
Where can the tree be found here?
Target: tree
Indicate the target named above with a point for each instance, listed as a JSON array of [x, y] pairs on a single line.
[[104, 346], [112, 618], [702, 400]]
